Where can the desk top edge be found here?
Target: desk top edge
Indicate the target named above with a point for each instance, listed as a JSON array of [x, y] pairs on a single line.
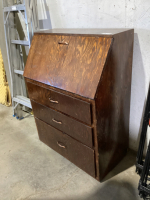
[[106, 32]]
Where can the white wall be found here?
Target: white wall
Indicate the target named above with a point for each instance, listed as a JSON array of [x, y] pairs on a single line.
[[109, 14]]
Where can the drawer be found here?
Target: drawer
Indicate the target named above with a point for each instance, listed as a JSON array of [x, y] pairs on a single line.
[[74, 128], [77, 153], [74, 107]]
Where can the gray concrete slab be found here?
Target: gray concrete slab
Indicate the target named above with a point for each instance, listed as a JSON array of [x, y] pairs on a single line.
[[29, 170]]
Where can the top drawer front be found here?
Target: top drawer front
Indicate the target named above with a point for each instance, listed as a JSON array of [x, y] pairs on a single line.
[[74, 107]]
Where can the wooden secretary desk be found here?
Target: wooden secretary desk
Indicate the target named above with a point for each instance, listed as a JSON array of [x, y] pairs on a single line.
[[79, 84]]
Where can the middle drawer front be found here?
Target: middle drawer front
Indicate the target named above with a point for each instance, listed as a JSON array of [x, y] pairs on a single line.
[[74, 128], [79, 154]]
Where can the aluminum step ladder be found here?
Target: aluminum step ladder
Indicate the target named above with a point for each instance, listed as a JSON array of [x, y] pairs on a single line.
[[27, 11]]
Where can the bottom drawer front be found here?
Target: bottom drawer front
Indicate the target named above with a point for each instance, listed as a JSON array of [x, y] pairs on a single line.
[[79, 154]]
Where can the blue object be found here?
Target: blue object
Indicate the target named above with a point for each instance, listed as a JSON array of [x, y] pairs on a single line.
[[21, 118]]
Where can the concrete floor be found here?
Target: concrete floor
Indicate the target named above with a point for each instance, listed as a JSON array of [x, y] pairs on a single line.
[[31, 170]]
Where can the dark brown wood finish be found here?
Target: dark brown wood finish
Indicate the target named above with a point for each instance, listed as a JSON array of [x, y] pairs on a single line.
[[58, 64], [64, 103], [92, 102], [104, 32], [113, 103], [59, 90], [79, 154], [74, 128], [94, 92]]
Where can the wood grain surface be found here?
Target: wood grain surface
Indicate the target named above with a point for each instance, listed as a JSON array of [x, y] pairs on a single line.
[[113, 103], [66, 124], [90, 77], [79, 154], [71, 106], [75, 67]]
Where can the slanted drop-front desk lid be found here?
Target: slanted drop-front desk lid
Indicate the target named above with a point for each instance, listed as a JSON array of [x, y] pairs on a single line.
[[72, 63]]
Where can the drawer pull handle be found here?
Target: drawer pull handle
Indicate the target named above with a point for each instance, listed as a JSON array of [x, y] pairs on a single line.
[[62, 146], [53, 101], [62, 42], [56, 121]]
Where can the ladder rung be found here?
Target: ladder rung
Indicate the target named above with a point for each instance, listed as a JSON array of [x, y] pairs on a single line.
[[18, 71], [14, 8], [23, 101], [21, 42], [23, 98]]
